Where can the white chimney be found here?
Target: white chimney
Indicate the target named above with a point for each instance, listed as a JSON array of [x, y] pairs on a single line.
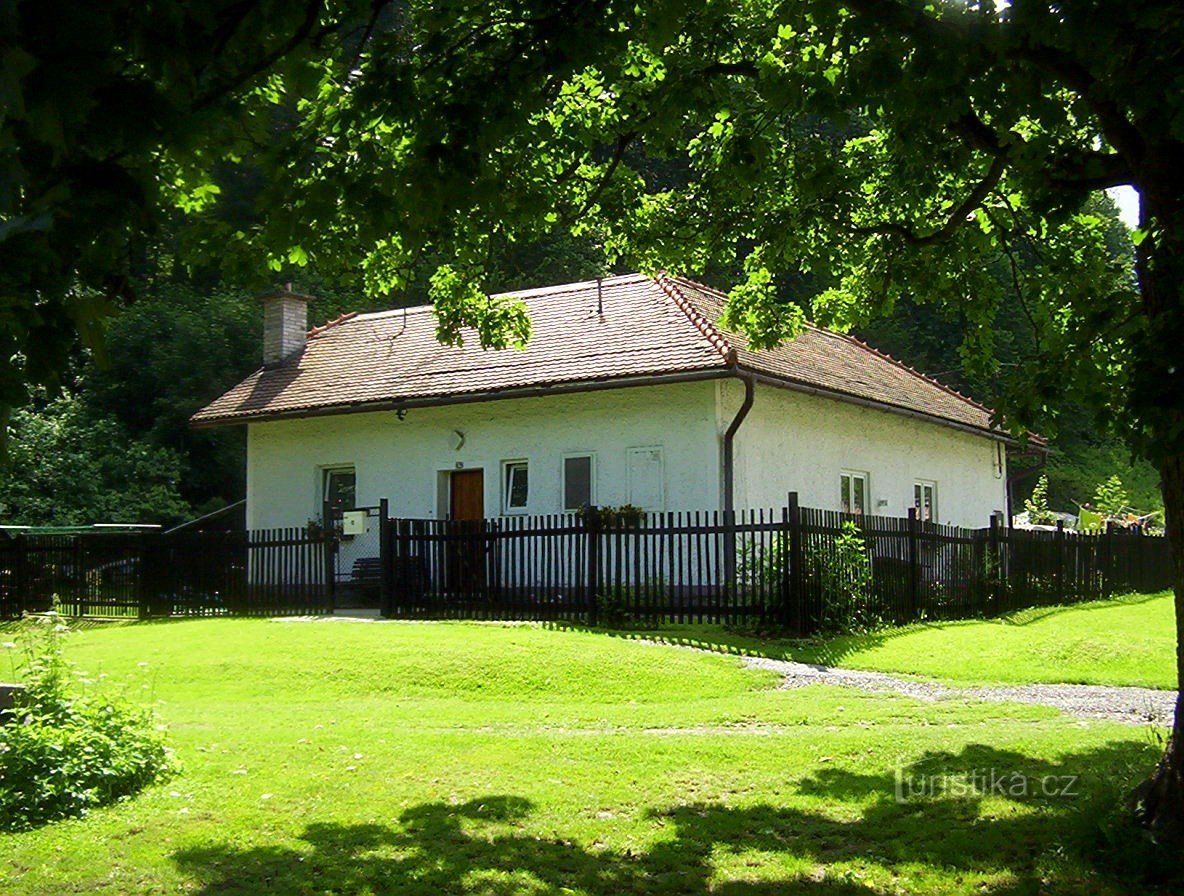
[[285, 324]]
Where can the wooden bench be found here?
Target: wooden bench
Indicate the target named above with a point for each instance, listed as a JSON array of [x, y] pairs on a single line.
[[366, 575], [410, 577]]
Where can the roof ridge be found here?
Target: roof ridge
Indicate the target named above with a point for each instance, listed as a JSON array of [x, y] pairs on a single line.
[[669, 285], [557, 289], [809, 324], [330, 324]]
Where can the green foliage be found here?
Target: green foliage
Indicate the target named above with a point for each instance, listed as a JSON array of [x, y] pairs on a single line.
[[1111, 498], [840, 570], [844, 574], [1037, 505], [64, 754], [69, 466], [113, 116]]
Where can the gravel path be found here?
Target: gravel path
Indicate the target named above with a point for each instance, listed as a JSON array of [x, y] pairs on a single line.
[[1134, 706]]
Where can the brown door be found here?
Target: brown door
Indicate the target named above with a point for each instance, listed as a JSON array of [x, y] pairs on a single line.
[[468, 495], [466, 548]]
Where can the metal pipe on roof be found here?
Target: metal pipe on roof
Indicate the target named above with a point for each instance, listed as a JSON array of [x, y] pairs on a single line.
[[729, 444]]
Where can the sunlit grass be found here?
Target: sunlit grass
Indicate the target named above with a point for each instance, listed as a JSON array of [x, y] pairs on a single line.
[[1130, 640], [336, 757]]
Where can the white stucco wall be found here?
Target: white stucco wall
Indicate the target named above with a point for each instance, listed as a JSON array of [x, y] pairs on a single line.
[[406, 460], [789, 442], [797, 442]]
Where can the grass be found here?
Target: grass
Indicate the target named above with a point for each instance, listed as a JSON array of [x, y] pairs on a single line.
[[350, 758], [1126, 641]]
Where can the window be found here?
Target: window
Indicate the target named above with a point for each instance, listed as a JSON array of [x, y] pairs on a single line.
[[853, 492], [578, 476], [339, 488], [515, 486], [646, 480], [925, 499]]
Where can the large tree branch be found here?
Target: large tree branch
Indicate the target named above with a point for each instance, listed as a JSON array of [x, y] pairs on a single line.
[[1087, 170], [915, 19], [974, 199], [1116, 127], [312, 14]]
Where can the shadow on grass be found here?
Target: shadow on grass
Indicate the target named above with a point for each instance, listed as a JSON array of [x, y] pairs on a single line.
[[816, 650], [1036, 614], [861, 831], [831, 650]]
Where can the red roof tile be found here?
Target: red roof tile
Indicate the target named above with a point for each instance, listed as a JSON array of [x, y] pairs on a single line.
[[629, 329]]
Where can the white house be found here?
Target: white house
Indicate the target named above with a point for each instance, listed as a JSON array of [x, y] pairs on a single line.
[[629, 393]]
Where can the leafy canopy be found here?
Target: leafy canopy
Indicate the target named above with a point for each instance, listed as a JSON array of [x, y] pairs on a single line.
[[890, 150]]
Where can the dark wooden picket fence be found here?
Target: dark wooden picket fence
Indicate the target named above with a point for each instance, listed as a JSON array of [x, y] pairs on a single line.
[[145, 575], [801, 569], [798, 568]]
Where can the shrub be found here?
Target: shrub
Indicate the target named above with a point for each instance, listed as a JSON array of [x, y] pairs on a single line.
[[839, 573], [1111, 499], [1039, 513], [845, 579], [63, 754]]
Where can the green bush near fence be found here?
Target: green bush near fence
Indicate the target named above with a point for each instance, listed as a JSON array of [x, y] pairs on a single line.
[[63, 754], [838, 573]]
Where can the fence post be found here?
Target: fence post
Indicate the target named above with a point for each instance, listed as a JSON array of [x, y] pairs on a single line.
[[592, 524], [386, 561], [145, 586], [995, 567], [1107, 563], [794, 591], [329, 548], [1060, 542], [21, 575], [914, 566]]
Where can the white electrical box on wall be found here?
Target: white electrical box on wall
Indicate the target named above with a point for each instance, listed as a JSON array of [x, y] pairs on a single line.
[[353, 522]]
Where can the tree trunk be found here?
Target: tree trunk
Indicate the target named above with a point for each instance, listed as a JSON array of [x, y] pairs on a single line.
[[1157, 405], [1160, 800]]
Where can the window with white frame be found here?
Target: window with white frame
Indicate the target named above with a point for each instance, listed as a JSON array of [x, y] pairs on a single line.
[[925, 499], [339, 488], [854, 496], [515, 486], [579, 478], [646, 487]]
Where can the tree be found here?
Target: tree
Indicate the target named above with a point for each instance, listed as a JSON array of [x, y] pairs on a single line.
[[112, 116], [891, 150], [1037, 505], [1111, 498], [68, 467]]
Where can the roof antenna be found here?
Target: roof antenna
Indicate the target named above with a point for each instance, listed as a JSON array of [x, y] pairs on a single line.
[[600, 297]]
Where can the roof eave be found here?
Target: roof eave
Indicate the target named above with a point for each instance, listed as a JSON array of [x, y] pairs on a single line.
[[839, 395], [396, 404]]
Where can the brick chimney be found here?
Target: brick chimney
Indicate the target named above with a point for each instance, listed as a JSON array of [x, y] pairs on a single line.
[[285, 324]]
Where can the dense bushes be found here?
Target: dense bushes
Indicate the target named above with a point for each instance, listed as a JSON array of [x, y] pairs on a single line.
[[838, 573], [62, 754]]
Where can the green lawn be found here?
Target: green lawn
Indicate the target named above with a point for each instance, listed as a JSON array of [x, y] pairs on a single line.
[[1126, 641], [351, 758]]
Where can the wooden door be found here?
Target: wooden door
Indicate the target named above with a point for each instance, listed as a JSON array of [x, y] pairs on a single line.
[[466, 551], [467, 501]]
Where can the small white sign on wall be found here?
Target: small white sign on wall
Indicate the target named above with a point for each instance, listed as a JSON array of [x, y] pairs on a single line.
[[646, 480], [353, 522]]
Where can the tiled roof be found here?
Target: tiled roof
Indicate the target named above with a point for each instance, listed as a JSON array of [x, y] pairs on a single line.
[[621, 329]]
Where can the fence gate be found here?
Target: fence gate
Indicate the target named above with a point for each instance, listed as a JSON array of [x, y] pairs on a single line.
[[357, 555]]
